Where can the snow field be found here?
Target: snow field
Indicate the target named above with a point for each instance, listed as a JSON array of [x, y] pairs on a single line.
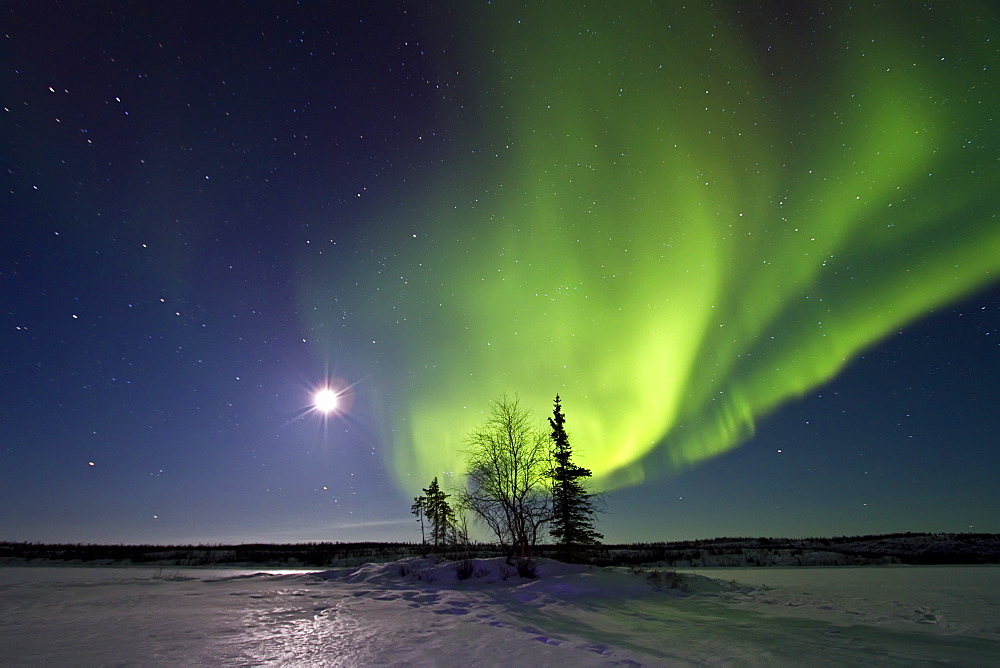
[[417, 612]]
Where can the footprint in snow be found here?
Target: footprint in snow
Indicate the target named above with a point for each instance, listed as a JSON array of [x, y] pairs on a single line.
[[452, 611], [596, 649]]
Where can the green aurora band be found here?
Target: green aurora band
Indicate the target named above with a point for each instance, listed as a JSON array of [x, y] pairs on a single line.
[[685, 219]]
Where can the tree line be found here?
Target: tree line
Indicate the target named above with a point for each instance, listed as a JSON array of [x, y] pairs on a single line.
[[521, 484]]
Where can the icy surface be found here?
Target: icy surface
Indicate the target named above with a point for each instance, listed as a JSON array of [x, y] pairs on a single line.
[[418, 612]]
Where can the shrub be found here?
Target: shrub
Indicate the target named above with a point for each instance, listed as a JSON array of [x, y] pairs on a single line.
[[527, 568], [662, 579], [465, 569]]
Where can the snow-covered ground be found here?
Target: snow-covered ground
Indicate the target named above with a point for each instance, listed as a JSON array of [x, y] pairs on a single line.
[[416, 612]]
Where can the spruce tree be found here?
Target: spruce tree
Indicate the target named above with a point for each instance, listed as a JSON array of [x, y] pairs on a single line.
[[572, 506], [439, 513], [418, 510]]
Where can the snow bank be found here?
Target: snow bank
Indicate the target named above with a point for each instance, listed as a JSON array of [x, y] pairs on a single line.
[[552, 578], [445, 573]]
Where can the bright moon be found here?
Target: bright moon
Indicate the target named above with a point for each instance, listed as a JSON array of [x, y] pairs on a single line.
[[325, 400]]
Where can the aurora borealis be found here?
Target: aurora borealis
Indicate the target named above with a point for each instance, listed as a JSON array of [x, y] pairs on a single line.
[[690, 223], [686, 220]]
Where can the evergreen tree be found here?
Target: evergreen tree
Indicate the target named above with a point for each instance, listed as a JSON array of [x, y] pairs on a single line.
[[572, 506], [418, 509], [439, 513]]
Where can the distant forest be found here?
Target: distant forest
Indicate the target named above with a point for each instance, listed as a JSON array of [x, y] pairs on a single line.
[[902, 548]]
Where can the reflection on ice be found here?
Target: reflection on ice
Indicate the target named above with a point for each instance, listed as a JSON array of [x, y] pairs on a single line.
[[308, 631]]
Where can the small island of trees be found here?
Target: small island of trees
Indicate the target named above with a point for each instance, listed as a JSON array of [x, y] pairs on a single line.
[[521, 483]]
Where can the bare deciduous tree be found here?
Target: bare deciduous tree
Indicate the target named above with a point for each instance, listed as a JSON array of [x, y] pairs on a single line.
[[508, 465]]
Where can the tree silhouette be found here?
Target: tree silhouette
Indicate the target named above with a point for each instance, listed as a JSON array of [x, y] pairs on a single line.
[[418, 509], [507, 490], [572, 506], [439, 513]]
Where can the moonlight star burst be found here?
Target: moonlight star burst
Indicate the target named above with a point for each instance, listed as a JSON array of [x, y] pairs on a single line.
[[326, 400]]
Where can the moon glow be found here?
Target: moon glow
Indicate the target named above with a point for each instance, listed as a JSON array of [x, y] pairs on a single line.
[[325, 401]]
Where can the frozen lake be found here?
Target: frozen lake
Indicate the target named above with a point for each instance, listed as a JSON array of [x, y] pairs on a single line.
[[571, 616]]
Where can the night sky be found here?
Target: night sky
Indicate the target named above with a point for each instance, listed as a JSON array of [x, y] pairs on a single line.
[[753, 246]]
